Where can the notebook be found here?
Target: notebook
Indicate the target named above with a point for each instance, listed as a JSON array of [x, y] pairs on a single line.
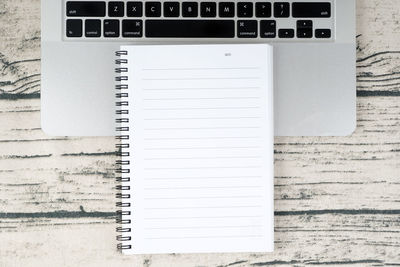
[[196, 130]]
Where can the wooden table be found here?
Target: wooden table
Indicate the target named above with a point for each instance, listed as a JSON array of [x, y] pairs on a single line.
[[337, 199]]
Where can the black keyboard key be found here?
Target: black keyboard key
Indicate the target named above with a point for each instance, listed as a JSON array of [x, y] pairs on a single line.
[[132, 28], [153, 9], [311, 10], [134, 9], [286, 33], [190, 9], [304, 33], [304, 24], [247, 29], [281, 10], [323, 33], [92, 28], [245, 9], [208, 9], [74, 28], [304, 29], [190, 28], [86, 9], [268, 29], [171, 9], [226, 9], [263, 10], [111, 28], [116, 9]]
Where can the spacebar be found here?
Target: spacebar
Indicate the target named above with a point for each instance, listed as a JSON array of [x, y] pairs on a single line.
[[190, 28]]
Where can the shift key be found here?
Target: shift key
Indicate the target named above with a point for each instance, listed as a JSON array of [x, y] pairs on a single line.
[[86, 9], [311, 10]]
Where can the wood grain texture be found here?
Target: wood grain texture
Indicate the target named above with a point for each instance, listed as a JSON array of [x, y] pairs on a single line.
[[337, 200]]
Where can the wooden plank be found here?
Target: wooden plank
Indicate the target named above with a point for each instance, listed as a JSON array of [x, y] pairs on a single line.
[[19, 48], [325, 239], [378, 52]]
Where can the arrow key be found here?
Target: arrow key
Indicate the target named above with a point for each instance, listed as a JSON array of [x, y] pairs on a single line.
[[323, 33], [286, 33], [304, 33]]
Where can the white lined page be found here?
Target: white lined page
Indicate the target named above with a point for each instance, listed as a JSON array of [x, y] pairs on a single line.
[[201, 121]]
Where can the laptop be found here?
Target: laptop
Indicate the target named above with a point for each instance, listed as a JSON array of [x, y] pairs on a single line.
[[314, 56]]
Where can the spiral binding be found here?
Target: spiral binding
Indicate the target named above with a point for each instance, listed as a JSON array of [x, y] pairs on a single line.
[[122, 151]]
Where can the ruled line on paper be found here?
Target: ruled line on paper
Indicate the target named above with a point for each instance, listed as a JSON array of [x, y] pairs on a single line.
[[205, 167], [206, 118], [201, 178], [201, 68], [200, 98], [203, 217], [190, 148], [202, 88], [207, 207], [205, 108], [199, 187], [202, 138], [197, 158], [203, 128], [200, 78], [207, 237], [203, 197], [203, 227]]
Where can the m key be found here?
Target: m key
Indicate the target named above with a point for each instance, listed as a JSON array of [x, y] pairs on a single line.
[[226, 9]]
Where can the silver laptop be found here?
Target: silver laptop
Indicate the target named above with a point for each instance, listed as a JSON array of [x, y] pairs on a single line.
[[314, 56]]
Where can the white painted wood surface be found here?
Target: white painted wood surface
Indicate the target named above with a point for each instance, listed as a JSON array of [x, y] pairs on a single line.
[[337, 200]]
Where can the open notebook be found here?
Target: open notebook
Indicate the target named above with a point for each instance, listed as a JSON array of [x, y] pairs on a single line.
[[196, 125]]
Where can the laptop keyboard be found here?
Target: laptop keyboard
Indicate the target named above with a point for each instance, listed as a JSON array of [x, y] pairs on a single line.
[[147, 20]]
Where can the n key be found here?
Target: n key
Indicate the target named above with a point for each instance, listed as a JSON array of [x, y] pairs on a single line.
[[208, 9]]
